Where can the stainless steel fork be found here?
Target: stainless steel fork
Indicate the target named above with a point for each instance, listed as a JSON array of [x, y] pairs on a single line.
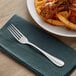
[[23, 40]]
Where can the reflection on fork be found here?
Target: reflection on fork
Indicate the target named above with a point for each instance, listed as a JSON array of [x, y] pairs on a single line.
[[23, 40]]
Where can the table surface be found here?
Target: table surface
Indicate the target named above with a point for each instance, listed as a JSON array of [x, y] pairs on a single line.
[[9, 67]]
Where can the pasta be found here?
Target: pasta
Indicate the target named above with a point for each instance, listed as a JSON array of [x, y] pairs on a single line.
[[61, 17]]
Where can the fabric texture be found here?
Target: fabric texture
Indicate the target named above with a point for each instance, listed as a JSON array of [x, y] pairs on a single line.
[[31, 57]]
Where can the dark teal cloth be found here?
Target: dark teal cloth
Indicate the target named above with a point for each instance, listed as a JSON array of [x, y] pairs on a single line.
[[31, 57]]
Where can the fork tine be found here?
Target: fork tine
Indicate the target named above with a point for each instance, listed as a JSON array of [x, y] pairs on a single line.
[[16, 30], [13, 33], [19, 33]]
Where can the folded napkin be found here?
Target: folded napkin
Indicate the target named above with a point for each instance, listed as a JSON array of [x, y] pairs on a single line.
[[31, 57]]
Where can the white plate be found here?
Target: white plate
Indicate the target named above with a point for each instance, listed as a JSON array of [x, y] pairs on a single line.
[[62, 31]]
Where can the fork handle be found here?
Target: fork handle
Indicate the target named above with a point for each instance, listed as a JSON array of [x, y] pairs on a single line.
[[55, 60]]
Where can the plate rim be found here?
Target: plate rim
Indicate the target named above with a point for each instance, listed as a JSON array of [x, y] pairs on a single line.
[[58, 34]]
